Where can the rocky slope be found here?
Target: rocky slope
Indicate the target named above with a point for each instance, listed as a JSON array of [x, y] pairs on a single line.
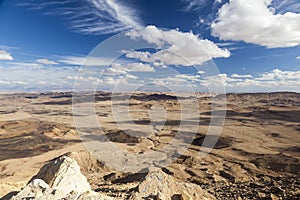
[[61, 178]]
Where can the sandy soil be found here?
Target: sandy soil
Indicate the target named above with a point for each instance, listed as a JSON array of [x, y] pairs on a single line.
[[257, 155]]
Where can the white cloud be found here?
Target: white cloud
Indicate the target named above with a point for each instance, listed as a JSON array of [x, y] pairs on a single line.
[[122, 71], [298, 57], [46, 62], [33, 78], [91, 16], [134, 67], [187, 77], [206, 9], [201, 72], [279, 75], [275, 80], [177, 80], [218, 81], [256, 22], [130, 76], [24, 64], [29, 77], [241, 76], [196, 5], [4, 82], [4, 55], [87, 61], [140, 55], [178, 48], [139, 67], [8, 48], [114, 72], [225, 44]]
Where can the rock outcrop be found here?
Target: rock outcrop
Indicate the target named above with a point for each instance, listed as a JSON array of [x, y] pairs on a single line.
[[161, 186], [59, 179]]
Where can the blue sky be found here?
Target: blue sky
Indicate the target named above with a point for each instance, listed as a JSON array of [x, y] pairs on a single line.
[[252, 45]]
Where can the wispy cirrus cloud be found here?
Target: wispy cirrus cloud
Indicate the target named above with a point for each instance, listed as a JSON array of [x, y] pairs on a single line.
[[46, 61], [87, 61], [8, 48], [91, 16], [283, 6], [206, 9], [194, 5]]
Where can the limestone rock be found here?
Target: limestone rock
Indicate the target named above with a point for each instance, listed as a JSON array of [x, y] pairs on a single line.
[[34, 189], [59, 179], [39, 190], [91, 195], [64, 174], [158, 185]]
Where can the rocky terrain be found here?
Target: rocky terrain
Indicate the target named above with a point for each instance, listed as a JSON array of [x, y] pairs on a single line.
[[256, 157]]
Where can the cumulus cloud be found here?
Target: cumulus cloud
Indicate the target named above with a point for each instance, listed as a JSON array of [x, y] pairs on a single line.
[[130, 76], [275, 80], [46, 62], [177, 48], [177, 82], [178, 78], [279, 75], [256, 22], [114, 72], [122, 72], [30, 77], [4, 55], [298, 57]]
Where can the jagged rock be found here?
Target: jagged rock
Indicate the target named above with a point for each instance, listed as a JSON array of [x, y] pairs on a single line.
[[34, 189], [64, 174], [39, 190], [160, 186], [93, 196], [61, 178], [274, 197]]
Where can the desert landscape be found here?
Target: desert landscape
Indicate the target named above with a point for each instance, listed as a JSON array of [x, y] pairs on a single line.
[[256, 157], [149, 100]]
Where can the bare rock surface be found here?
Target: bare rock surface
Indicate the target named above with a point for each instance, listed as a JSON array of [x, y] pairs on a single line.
[[64, 174], [160, 186], [61, 178]]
